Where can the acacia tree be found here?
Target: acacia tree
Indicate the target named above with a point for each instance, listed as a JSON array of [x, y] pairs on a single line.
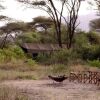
[[72, 8], [51, 9], [14, 27], [41, 21], [2, 17]]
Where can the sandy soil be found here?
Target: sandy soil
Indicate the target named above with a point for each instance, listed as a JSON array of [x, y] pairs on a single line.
[[46, 90]]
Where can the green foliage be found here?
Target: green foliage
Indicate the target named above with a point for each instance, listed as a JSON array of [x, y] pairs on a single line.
[[90, 52], [94, 38], [49, 36], [43, 58], [31, 62], [11, 53], [29, 37], [94, 63], [87, 45], [62, 56], [81, 40]]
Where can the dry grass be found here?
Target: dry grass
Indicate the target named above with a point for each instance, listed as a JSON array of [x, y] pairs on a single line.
[[19, 65], [24, 70], [7, 93], [46, 90], [18, 70]]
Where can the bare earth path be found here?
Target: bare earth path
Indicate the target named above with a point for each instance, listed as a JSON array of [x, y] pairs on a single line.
[[46, 90]]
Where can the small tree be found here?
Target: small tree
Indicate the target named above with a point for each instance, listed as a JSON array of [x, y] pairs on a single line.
[[72, 8]]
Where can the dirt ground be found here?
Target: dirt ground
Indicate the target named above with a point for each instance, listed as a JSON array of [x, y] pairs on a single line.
[[47, 90]]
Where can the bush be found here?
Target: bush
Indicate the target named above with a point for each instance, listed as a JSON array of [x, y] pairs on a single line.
[[89, 52], [61, 57], [94, 38], [94, 63], [87, 46], [31, 62], [81, 40], [12, 53], [43, 57]]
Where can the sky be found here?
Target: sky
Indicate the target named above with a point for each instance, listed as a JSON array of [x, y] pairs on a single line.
[[19, 12]]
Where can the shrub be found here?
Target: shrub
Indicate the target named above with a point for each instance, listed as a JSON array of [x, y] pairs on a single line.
[[81, 40], [86, 45], [94, 63], [94, 38], [62, 56], [90, 52], [11, 53], [31, 62], [43, 57]]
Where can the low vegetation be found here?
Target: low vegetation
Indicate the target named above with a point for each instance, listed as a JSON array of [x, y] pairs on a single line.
[[94, 63], [8, 93], [15, 64]]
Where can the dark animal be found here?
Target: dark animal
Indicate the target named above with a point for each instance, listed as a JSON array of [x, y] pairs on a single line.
[[58, 78]]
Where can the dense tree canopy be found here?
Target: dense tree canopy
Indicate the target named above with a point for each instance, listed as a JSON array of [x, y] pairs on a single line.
[[41, 21]]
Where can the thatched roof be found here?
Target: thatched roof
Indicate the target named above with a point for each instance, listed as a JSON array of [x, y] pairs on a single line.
[[39, 47]]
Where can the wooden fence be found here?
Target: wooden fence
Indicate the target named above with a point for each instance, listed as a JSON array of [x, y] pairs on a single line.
[[85, 77]]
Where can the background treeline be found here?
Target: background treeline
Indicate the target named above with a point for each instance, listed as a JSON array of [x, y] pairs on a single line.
[[85, 49], [81, 47]]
